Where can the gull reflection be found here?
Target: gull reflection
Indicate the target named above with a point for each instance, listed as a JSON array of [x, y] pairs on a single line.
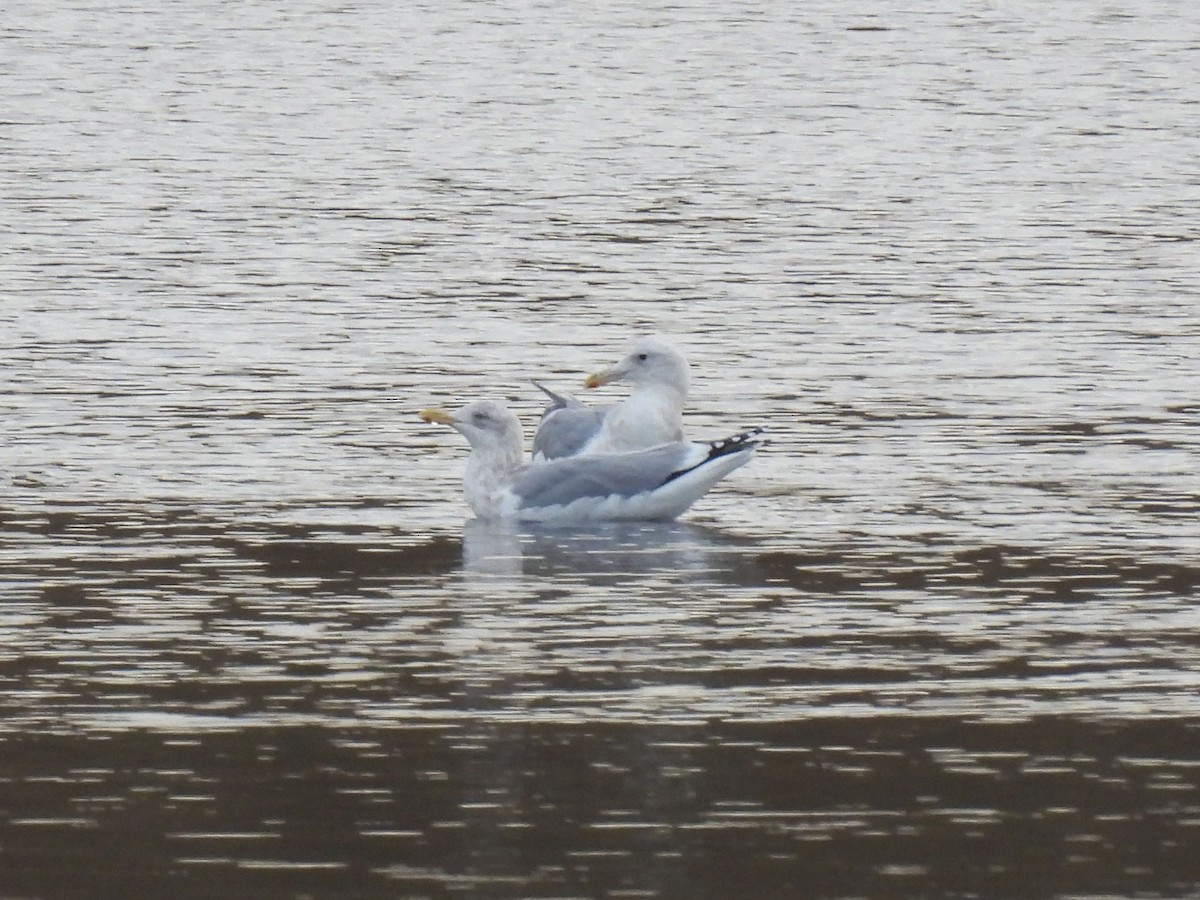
[[491, 549], [599, 553]]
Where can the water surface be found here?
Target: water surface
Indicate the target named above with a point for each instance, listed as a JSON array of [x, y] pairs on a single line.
[[938, 640]]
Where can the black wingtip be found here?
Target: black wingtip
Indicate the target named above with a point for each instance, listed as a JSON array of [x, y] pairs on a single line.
[[746, 440], [742, 441]]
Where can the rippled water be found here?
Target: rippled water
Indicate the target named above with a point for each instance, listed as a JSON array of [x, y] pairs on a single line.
[[940, 639]]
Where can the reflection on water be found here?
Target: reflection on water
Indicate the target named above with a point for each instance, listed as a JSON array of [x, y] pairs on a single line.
[[939, 639], [600, 554]]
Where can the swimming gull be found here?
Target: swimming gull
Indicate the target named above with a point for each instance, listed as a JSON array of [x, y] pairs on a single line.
[[656, 484], [651, 415]]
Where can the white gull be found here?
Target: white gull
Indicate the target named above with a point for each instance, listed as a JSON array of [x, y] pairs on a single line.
[[656, 484], [651, 415]]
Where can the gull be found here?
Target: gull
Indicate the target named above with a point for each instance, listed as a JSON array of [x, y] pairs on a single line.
[[651, 415], [656, 484]]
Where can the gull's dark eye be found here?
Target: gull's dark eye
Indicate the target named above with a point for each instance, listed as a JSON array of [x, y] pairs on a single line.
[[642, 357], [479, 418]]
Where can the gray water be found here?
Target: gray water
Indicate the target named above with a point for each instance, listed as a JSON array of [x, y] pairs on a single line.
[[939, 639]]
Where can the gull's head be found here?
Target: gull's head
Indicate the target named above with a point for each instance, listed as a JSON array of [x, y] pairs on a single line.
[[650, 361], [485, 423]]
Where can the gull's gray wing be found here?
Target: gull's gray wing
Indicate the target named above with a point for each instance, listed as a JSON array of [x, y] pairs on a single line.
[[564, 432], [567, 425], [557, 400], [561, 481]]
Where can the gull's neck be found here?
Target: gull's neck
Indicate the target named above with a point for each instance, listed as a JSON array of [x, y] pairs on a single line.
[[488, 470], [660, 392], [651, 415]]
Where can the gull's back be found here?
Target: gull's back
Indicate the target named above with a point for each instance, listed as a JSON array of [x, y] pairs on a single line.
[[568, 425]]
